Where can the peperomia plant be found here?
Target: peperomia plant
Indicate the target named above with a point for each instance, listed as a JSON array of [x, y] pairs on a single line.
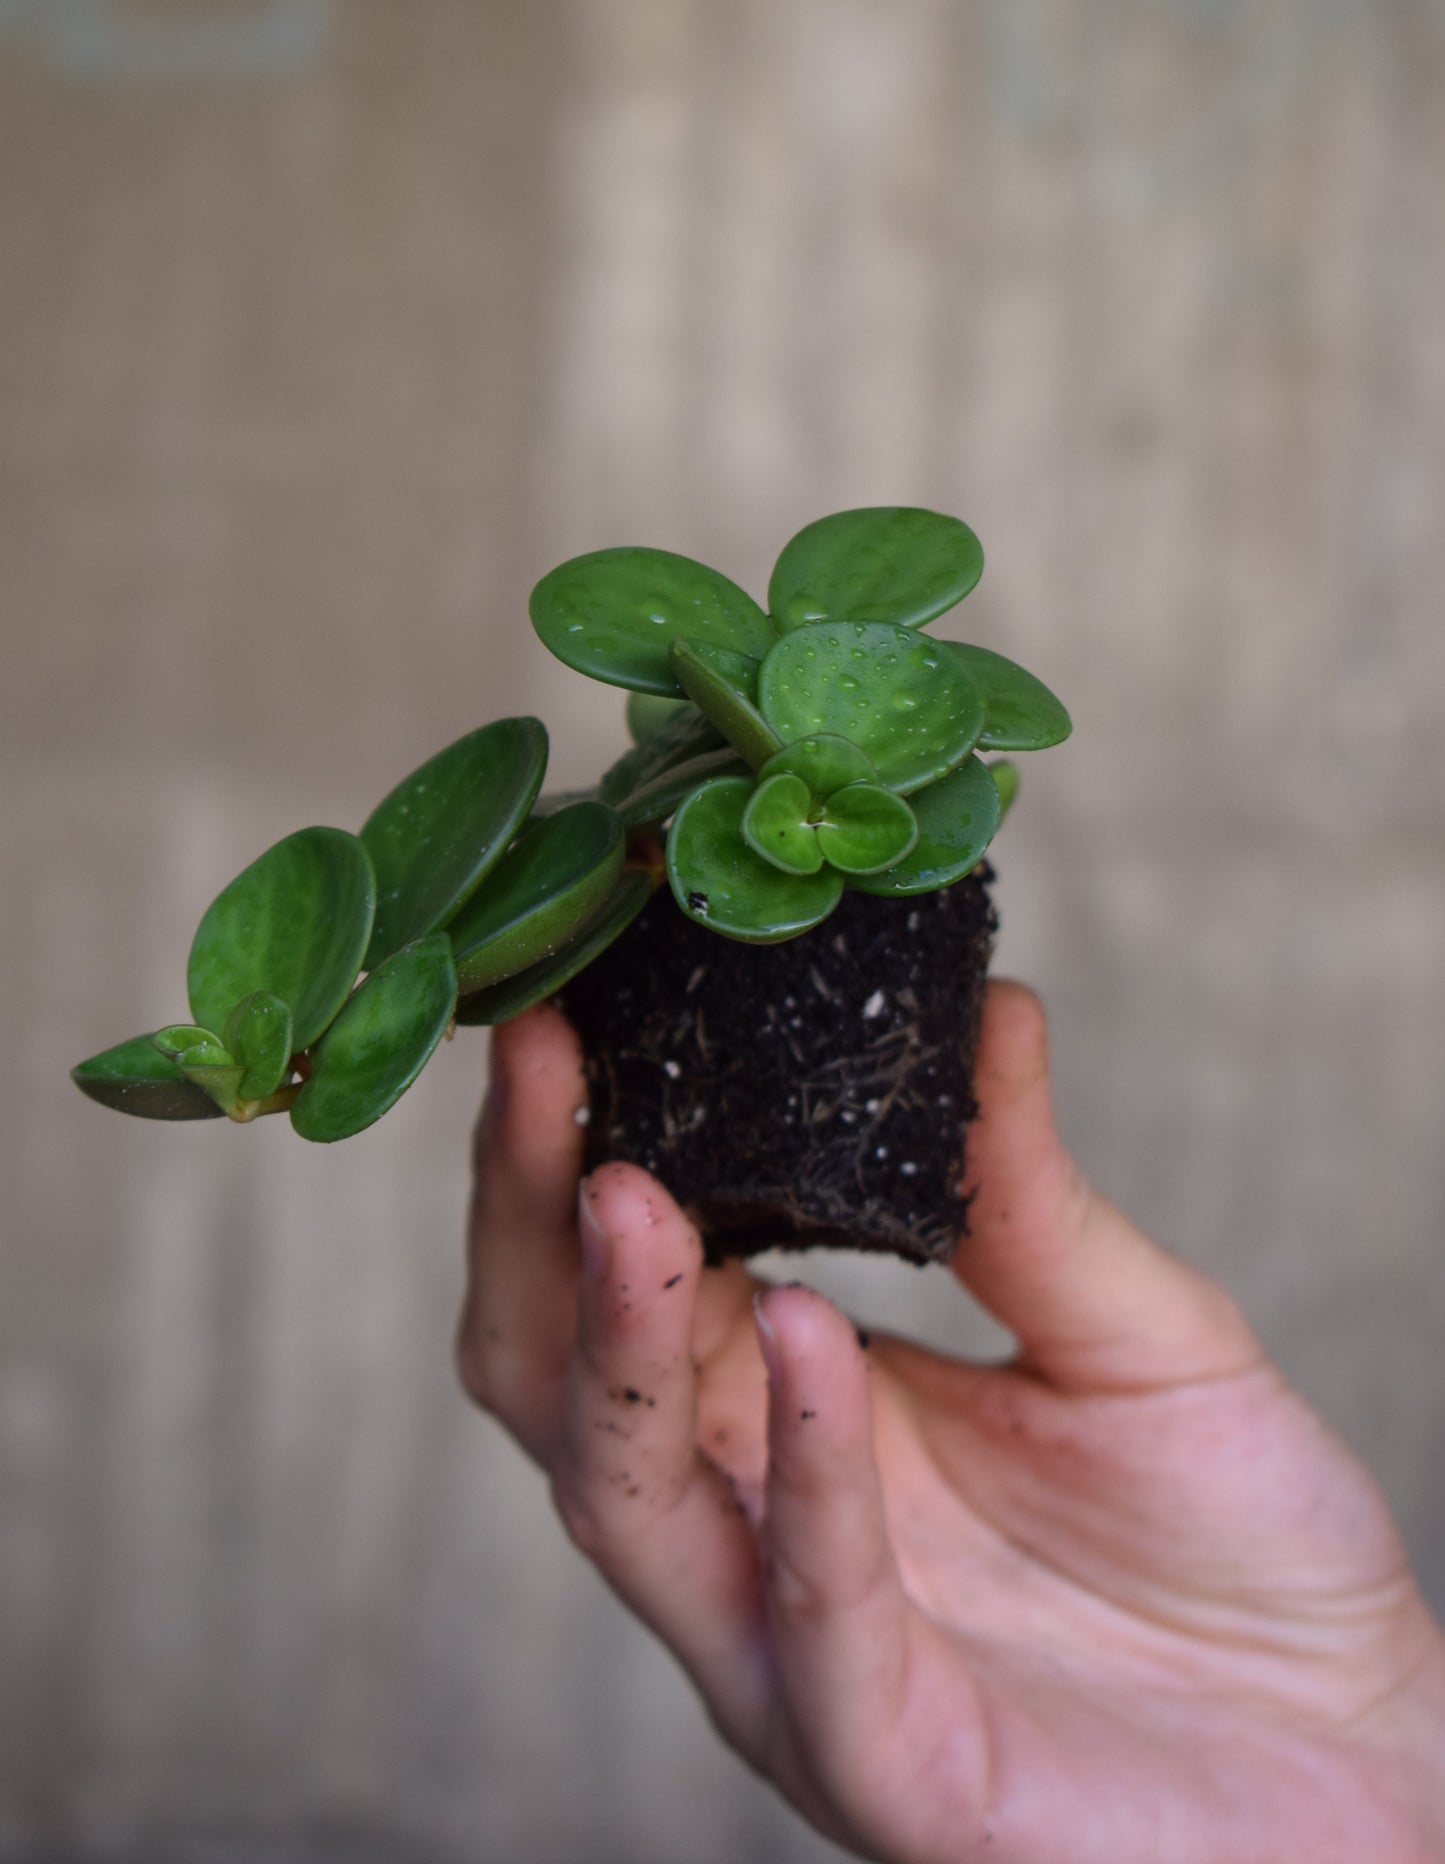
[[779, 758]]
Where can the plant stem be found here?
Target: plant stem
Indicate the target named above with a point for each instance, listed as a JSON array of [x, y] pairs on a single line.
[[644, 852], [281, 1101]]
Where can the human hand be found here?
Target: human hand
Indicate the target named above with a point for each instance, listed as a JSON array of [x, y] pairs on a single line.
[[1124, 1599]]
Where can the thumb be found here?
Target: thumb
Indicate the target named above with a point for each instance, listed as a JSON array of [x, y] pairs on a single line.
[[1094, 1304]]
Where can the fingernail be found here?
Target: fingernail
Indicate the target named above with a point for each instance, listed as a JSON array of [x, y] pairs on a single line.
[[596, 1244], [767, 1340]]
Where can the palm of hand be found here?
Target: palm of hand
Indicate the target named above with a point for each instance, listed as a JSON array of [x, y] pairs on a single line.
[[1155, 1610], [1125, 1600]]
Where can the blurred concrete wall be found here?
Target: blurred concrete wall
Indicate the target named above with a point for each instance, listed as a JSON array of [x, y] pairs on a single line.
[[324, 329]]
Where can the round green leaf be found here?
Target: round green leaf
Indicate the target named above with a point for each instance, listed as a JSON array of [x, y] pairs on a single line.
[[724, 687], [956, 819], [135, 1077], [897, 695], [719, 881], [554, 800], [613, 613], [209, 1053], [824, 762], [1020, 713], [441, 830], [541, 893], [1006, 781], [865, 829], [657, 800], [258, 1034], [211, 1067], [176, 1038], [500, 1002], [379, 1043], [646, 712], [883, 563], [294, 923], [775, 825]]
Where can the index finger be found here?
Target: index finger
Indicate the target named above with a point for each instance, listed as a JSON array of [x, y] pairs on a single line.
[[519, 1312]]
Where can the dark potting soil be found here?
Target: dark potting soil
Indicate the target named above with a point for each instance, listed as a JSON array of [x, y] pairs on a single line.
[[795, 1095]]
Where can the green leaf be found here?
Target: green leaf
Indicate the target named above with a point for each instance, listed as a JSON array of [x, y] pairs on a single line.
[[379, 1043], [212, 1068], [824, 762], [775, 825], [657, 800], [210, 1053], [551, 884], [897, 695], [1006, 781], [883, 563], [440, 831], [956, 818], [685, 736], [724, 687], [556, 800], [612, 615], [135, 1077], [719, 881], [1021, 714], [258, 1034], [204, 1060], [501, 1002], [294, 923], [176, 1038], [865, 829], [646, 713]]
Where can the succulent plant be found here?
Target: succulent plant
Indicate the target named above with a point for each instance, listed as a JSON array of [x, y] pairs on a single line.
[[779, 757], [846, 740]]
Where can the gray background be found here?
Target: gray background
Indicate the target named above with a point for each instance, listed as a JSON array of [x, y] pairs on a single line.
[[324, 330]]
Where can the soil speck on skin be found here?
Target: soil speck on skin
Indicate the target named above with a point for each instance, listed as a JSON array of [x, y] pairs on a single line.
[[632, 1395], [865, 1338], [672, 1281], [803, 1416]]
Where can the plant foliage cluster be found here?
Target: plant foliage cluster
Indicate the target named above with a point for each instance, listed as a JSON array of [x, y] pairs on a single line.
[[779, 756]]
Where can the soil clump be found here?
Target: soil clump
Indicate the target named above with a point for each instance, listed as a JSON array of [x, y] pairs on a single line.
[[810, 1093]]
